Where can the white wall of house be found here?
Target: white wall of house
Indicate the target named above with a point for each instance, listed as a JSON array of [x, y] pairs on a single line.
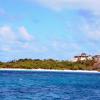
[[83, 58], [89, 58]]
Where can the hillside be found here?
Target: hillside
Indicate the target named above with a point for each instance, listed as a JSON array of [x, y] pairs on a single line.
[[50, 64]]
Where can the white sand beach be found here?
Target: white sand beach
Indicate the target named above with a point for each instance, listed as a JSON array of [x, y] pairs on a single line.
[[48, 70]]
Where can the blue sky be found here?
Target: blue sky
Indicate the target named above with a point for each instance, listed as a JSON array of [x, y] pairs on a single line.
[[57, 29]]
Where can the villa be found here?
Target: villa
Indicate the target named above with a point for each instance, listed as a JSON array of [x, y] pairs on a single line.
[[82, 57]]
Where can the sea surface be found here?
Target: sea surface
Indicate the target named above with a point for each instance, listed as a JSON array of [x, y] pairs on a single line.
[[28, 85]]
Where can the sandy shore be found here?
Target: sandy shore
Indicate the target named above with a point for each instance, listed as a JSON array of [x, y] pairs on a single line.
[[47, 70]]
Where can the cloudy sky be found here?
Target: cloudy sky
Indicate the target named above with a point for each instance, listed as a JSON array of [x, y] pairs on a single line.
[[57, 29]]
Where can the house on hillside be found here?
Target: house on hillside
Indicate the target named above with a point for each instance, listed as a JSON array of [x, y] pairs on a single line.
[[82, 57]]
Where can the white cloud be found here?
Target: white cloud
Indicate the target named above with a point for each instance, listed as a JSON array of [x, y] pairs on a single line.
[[5, 48], [91, 32], [89, 28], [12, 40], [7, 34], [65, 46], [24, 33], [92, 5], [26, 45]]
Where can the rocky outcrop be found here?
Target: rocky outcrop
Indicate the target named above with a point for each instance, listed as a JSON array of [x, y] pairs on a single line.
[[96, 66]]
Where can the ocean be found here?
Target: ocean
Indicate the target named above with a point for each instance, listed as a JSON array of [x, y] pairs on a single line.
[[33, 85]]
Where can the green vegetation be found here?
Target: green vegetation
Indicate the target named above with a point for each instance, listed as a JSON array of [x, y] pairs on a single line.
[[48, 64]]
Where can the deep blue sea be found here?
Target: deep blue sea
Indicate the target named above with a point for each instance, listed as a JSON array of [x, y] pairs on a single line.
[[27, 85]]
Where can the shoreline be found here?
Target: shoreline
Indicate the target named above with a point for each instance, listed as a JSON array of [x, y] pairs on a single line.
[[48, 70]]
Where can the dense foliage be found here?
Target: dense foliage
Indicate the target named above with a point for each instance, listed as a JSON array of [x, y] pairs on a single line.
[[48, 64]]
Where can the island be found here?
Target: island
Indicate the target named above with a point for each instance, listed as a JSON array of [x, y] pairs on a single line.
[[78, 63]]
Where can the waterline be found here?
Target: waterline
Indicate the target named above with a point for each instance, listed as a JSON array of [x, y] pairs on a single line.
[[48, 70]]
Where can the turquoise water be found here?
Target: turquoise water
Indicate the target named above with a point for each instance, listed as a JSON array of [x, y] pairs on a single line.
[[15, 85]]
